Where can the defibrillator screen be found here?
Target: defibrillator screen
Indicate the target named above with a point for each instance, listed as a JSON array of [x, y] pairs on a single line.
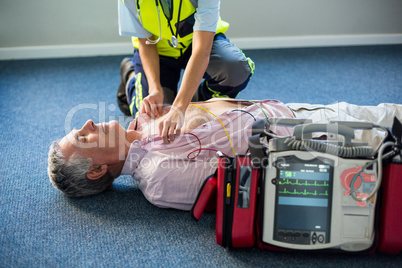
[[303, 200]]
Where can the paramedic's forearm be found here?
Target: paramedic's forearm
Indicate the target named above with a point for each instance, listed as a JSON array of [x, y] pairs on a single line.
[[198, 63], [151, 104], [150, 62], [196, 66]]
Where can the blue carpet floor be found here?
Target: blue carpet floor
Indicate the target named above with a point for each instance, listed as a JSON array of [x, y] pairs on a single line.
[[39, 227]]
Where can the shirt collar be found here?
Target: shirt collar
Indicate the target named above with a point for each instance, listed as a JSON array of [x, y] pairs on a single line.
[[134, 156]]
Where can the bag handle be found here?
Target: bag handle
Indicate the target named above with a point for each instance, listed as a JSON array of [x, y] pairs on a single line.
[[206, 199]]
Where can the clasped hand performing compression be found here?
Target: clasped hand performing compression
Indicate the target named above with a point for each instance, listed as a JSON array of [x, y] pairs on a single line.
[[153, 103]]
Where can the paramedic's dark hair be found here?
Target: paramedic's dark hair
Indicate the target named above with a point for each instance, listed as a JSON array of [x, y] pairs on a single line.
[[70, 176]]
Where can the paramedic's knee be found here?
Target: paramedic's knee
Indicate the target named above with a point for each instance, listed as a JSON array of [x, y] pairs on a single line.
[[231, 73], [228, 65], [238, 73]]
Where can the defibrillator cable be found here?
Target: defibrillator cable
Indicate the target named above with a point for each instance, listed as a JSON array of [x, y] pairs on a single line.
[[379, 174], [199, 143], [210, 149], [266, 116], [244, 111], [200, 148], [227, 133]]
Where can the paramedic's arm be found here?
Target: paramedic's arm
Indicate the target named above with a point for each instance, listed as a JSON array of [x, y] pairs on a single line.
[[196, 66], [152, 104]]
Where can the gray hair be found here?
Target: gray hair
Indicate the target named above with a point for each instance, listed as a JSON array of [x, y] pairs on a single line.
[[70, 176]]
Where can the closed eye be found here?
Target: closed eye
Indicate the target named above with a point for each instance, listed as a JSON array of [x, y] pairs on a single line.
[[82, 139]]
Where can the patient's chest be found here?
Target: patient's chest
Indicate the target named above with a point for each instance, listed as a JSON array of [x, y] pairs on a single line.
[[196, 115]]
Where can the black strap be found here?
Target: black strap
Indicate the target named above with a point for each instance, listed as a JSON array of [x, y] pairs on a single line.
[[257, 151], [397, 131]]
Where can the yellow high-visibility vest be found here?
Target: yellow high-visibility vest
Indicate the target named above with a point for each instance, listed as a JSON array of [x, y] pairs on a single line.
[[150, 21]]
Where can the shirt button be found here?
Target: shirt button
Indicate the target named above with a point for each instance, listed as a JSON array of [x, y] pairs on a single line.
[[227, 112], [150, 139]]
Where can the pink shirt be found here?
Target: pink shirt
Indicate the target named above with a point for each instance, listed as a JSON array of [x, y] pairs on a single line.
[[170, 176]]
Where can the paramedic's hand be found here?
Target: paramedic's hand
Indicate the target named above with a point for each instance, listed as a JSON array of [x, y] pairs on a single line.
[[152, 104], [171, 124]]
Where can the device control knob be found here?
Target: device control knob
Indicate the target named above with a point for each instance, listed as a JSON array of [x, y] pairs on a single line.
[[320, 239]]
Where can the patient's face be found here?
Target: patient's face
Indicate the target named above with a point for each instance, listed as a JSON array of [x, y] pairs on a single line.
[[104, 143]]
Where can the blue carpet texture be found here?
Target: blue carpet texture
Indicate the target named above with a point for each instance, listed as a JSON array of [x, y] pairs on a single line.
[[41, 100]]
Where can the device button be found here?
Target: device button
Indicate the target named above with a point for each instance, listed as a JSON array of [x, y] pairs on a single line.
[[289, 234], [297, 234], [314, 238], [321, 239], [306, 235], [281, 233]]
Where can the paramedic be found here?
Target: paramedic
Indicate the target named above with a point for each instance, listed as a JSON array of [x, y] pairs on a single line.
[[168, 36]]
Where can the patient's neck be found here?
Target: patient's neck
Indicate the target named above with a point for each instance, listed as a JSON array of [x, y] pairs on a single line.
[[133, 135], [115, 169]]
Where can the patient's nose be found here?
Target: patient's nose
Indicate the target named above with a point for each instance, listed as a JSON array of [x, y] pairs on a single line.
[[88, 126]]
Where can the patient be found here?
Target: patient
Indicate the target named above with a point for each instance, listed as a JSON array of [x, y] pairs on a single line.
[[88, 160]]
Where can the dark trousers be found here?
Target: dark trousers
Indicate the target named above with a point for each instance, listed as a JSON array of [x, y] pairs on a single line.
[[228, 72]]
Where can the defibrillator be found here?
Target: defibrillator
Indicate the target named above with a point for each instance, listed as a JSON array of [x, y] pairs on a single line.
[[318, 189], [321, 193], [308, 202]]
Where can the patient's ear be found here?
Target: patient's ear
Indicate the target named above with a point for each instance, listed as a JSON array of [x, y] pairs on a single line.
[[96, 172]]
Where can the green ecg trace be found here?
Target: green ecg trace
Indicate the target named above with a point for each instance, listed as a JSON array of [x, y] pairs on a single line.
[[303, 184], [303, 193]]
